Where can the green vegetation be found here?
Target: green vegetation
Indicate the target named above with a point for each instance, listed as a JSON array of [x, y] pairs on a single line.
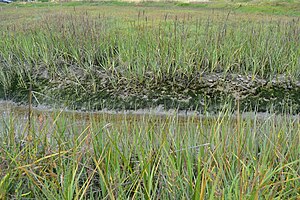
[[138, 57], [217, 58], [273, 7], [66, 156]]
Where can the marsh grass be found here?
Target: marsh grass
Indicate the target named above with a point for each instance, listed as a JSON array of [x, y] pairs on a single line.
[[150, 157], [86, 56]]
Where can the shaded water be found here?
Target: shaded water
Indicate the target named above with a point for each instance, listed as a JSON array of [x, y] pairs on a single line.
[[41, 114]]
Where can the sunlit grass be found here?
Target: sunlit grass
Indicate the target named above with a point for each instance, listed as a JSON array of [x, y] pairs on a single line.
[[87, 56], [150, 157], [83, 56]]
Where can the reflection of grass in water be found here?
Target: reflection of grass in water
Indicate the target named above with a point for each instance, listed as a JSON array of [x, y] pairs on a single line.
[[150, 157]]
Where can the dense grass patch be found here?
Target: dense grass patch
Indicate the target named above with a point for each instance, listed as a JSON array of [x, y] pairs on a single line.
[[79, 58], [65, 156], [112, 55]]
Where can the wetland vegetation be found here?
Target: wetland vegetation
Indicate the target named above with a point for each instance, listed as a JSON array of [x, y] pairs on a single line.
[[143, 57], [215, 61], [71, 155]]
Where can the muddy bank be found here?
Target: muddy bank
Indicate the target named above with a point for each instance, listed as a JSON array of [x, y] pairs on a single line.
[[21, 111], [201, 92]]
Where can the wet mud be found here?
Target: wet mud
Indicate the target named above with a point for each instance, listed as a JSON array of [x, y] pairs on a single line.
[[202, 92]]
